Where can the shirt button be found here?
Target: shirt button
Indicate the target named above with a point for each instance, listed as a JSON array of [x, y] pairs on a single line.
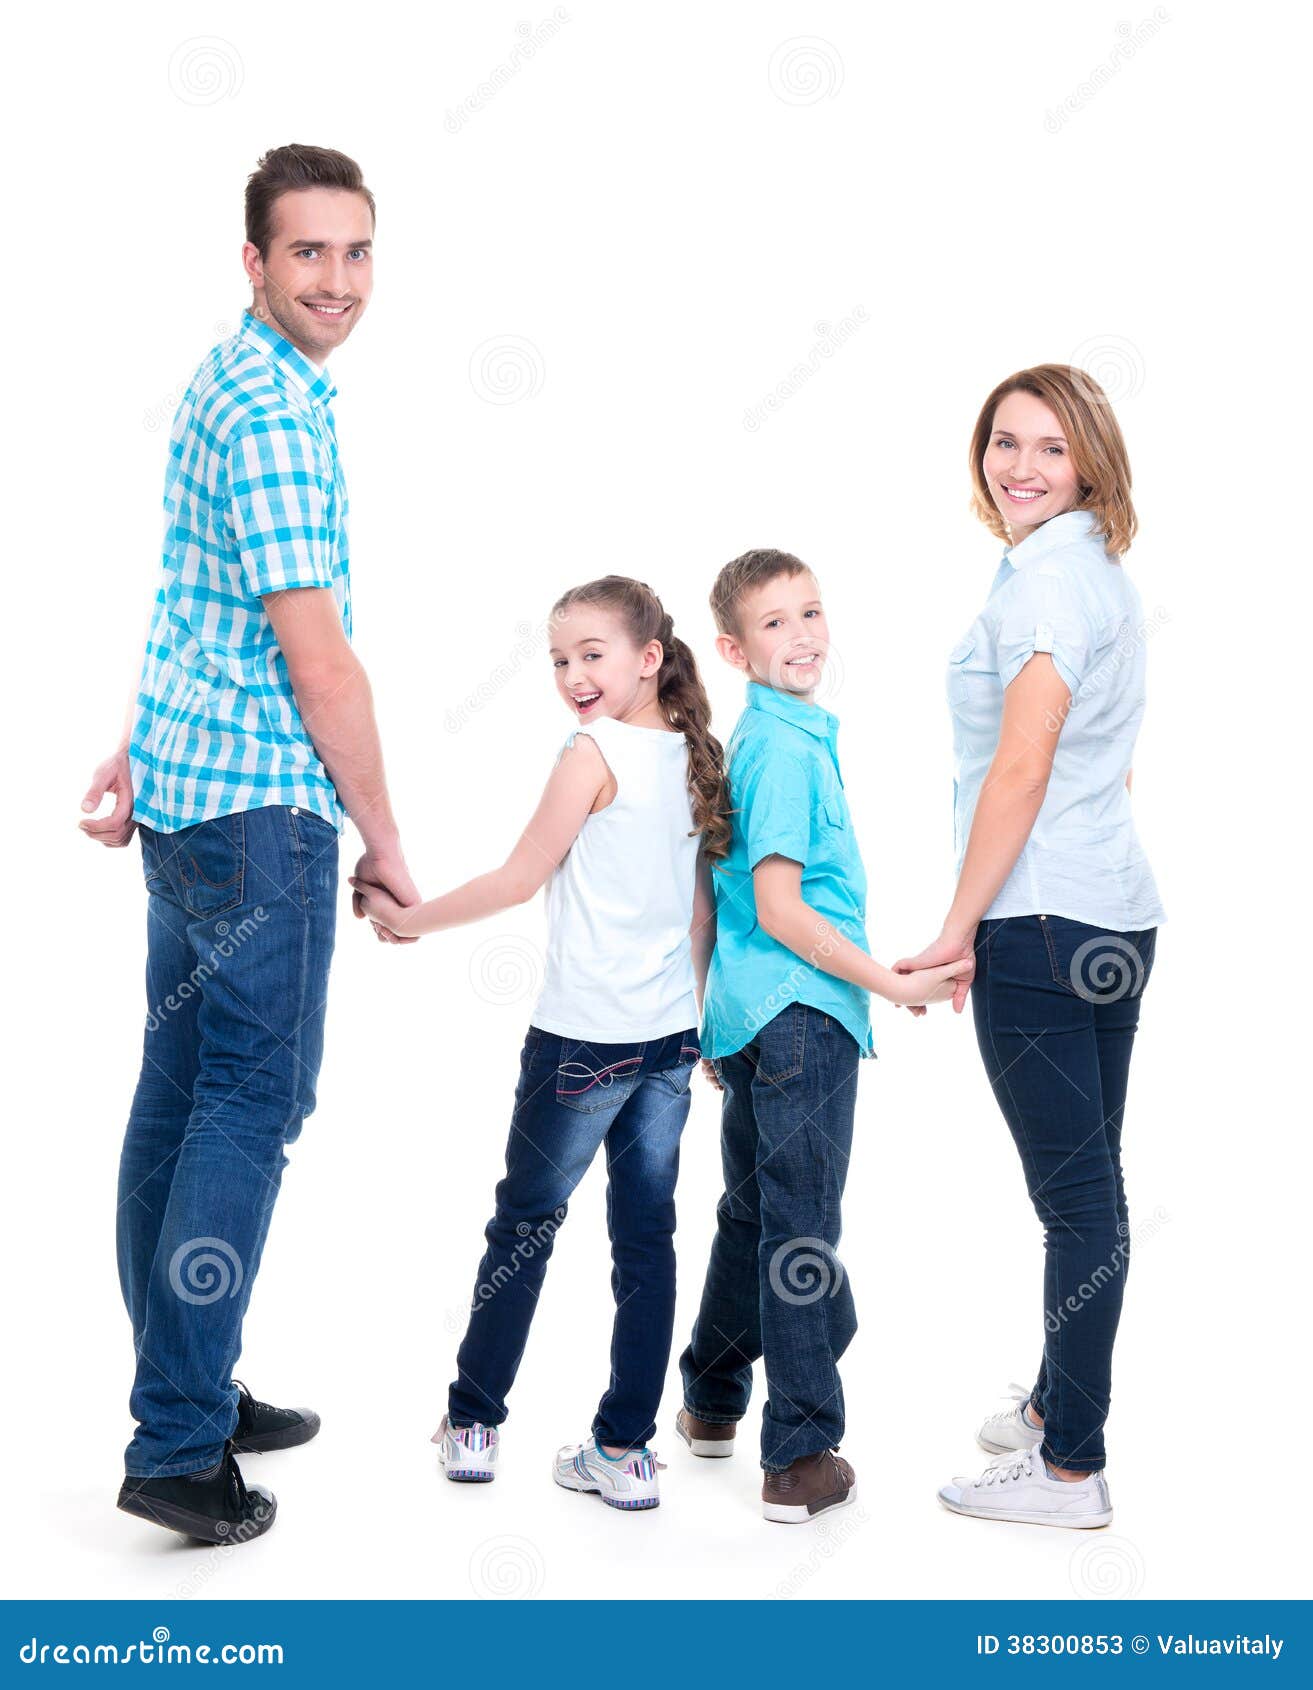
[[296, 812]]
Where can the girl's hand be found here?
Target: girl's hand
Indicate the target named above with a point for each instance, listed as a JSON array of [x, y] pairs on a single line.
[[932, 985], [379, 905], [709, 1074]]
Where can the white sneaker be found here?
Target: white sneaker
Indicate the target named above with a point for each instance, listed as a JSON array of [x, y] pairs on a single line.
[[1010, 1429], [1017, 1487], [469, 1453], [628, 1481]]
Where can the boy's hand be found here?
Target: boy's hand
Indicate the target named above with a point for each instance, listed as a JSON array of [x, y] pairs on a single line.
[[377, 905], [709, 1074], [946, 948], [931, 985]]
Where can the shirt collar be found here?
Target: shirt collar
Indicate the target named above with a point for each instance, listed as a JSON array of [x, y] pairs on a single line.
[[811, 718], [315, 383], [1058, 531]]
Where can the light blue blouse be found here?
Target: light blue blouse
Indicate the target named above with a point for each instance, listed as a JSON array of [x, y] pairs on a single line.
[[1060, 592]]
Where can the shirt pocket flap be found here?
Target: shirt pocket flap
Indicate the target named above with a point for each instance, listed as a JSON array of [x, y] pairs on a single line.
[[962, 650], [834, 812]]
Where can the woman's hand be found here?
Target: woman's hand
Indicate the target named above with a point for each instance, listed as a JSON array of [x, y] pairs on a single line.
[[378, 905], [917, 987], [947, 948]]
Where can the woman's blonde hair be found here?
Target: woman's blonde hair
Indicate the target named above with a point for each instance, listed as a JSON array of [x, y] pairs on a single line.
[[1097, 449]]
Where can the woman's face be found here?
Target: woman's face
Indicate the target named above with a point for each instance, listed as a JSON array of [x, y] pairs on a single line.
[[1028, 465]]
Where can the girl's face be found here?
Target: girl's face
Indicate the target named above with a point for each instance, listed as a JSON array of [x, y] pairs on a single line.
[[599, 669], [1028, 465]]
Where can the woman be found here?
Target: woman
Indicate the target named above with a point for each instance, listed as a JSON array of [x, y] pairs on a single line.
[[1054, 898]]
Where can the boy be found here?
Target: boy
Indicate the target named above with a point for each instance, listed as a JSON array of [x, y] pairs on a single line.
[[786, 1024]]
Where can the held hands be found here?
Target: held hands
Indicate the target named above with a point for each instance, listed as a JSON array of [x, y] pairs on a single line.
[[951, 961], [381, 891], [114, 775]]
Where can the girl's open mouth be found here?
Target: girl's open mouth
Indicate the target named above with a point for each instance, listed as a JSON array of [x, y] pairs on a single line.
[[584, 701], [1023, 495]]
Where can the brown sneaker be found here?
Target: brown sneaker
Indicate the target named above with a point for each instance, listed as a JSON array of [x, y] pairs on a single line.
[[811, 1485], [703, 1438]]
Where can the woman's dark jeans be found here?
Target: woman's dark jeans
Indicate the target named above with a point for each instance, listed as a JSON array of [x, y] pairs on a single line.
[[1056, 1005], [573, 1097]]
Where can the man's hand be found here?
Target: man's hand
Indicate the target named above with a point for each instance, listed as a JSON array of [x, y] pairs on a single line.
[[387, 871], [114, 775], [946, 948]]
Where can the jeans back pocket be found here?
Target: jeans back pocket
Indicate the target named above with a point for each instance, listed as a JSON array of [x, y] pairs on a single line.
[[209, 861], [1095, 963], [593, 1076]]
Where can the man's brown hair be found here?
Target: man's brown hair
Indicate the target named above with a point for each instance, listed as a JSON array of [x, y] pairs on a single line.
[[286, 169], [745, 574]]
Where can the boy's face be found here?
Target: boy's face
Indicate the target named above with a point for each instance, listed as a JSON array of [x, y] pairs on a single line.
[[782, 637]]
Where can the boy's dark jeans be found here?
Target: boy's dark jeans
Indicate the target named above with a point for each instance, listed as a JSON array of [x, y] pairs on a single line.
[[1056, 1005], [775, 1287]]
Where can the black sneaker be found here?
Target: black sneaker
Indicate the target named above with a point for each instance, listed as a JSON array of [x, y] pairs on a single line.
[[216, 1506], [261, 1427]]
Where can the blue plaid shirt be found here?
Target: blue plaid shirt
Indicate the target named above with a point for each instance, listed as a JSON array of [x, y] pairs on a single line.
[[255, 503]]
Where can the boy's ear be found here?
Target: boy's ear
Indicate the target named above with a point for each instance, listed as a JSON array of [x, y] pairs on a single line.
[[730, 649]]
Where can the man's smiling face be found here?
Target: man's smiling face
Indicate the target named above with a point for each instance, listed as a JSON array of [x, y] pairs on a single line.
[[315, 280]]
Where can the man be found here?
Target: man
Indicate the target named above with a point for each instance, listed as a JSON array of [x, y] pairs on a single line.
[[252, 731]]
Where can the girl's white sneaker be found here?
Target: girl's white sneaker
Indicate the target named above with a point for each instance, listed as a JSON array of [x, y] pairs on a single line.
[[628, 1481], [469, 1453], [1017, 1487], [1009, 1429]]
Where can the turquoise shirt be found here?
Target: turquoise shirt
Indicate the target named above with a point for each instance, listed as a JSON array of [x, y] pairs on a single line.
[[787, 798]]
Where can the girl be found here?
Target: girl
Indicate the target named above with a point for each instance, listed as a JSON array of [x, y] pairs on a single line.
[[1055, 899], [632, 816]]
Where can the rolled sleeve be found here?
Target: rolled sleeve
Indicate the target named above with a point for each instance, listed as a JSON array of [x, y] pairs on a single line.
[[281, 497], [776, 809], [1043, 612]]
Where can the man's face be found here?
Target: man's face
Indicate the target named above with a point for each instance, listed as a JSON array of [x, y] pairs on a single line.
[[315, 280]]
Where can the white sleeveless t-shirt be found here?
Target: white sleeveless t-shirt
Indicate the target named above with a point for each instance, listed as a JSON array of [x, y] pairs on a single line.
[[620, 903]]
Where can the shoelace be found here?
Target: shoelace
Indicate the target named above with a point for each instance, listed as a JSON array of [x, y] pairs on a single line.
[[245, 1392], [1020, 1396], [236, 1483], [1020, 1465]]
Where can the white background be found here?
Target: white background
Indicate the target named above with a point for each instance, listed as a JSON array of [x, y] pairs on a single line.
[[662, 213]]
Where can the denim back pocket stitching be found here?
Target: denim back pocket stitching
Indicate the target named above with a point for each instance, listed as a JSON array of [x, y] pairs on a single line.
[[1117, 964], [234, 829], [602, 1086], [798, 1015]]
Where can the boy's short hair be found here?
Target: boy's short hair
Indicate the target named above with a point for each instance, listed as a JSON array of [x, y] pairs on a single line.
[[744, 575]]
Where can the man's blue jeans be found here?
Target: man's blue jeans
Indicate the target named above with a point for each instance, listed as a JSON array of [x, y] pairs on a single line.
[[775, 1287], [574, 1096], [1056, 1005], [240, 929]]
